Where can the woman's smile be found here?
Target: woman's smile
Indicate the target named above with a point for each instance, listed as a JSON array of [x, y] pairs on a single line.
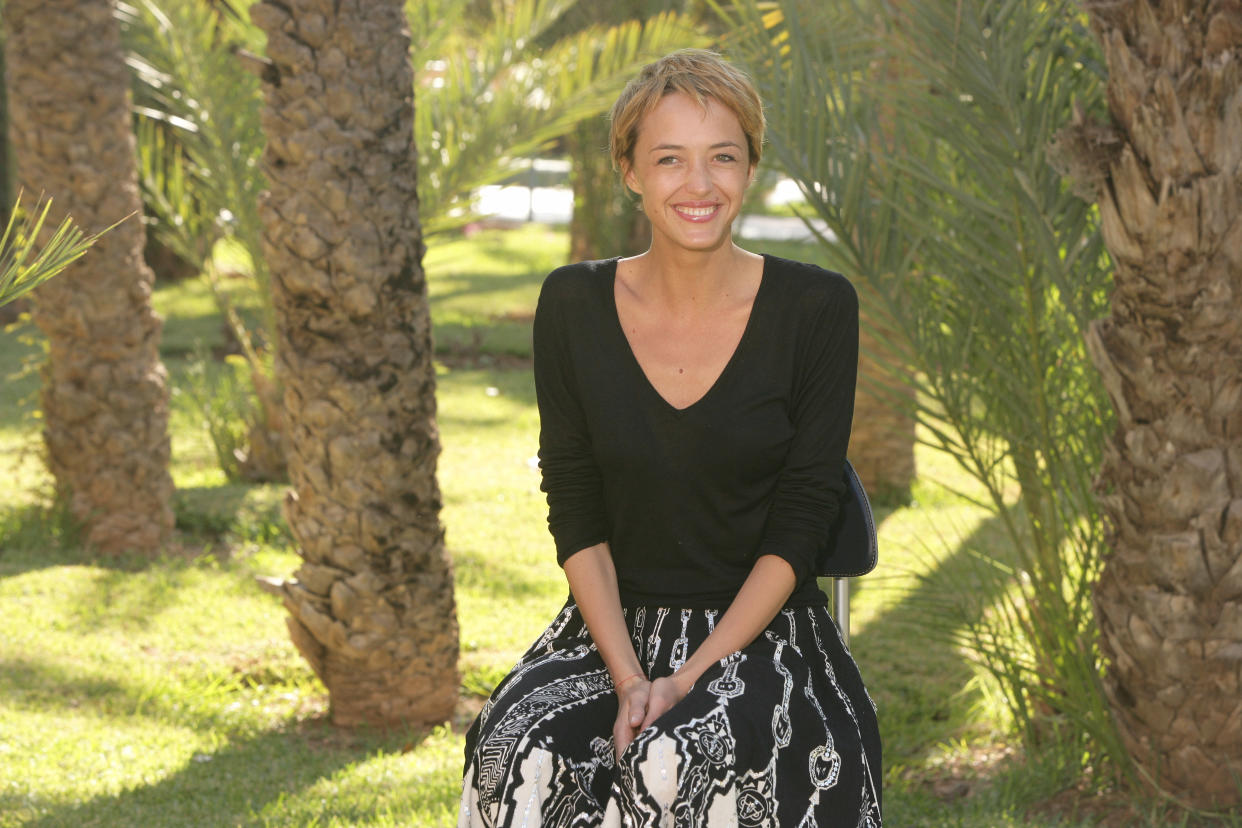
[[697, 213]]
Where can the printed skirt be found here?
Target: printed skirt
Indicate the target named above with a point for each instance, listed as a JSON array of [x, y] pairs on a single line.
[[780, 734]]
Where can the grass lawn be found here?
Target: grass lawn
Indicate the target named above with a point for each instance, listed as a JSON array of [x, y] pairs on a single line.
[[166, 692]]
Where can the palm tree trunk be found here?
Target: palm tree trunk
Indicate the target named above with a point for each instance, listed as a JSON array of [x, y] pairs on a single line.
[[1169, 600], [104, 396], [882, 436], [606, 221], [372, 608]]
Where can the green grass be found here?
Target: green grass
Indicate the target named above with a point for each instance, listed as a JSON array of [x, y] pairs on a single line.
[[166, 692], [483, 288]]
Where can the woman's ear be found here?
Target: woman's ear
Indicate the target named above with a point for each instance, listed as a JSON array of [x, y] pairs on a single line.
[[631, 180]]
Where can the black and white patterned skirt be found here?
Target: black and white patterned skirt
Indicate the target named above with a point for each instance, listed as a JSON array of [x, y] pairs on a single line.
[[779, 734]]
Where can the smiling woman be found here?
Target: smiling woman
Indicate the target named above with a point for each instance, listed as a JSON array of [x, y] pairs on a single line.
[[695, 404], [691, 169]]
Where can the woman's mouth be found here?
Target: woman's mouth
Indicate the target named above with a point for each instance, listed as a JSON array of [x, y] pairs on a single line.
[[697, 213]]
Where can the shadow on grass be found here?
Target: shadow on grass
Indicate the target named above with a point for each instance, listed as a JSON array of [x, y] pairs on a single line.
[[234, 784], [32, 685], [476, 284], [250, 512], [193, 700], [483, 343], [913, 666], [39, 535]]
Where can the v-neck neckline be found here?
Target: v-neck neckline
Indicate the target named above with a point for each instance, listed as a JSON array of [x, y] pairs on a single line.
[[724, 372]]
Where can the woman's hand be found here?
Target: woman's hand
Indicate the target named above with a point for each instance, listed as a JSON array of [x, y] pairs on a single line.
[[632, 701], [664, 693], [639, 703]]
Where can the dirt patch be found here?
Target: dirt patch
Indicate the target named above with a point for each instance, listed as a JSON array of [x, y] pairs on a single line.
[[1116, 809], [961, 774], [467, 709]]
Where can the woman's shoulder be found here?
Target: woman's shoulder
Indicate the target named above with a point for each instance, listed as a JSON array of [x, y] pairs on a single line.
[[809, 286], [573, 282]]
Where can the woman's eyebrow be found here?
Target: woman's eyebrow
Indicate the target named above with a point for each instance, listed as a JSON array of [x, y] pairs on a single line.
[[718, 145]]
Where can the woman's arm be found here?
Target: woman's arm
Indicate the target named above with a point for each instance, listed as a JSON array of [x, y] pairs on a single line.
[[770, 583], [593, 582]]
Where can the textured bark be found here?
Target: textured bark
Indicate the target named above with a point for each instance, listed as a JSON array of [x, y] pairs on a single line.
[[1169, 600], [372, 607], [883, 434], [104, 395]]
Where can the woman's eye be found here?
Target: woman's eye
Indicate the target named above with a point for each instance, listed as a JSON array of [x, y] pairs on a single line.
[[725, 158], [668, 159]]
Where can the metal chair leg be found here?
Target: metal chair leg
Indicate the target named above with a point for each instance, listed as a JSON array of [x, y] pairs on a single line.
[[841, 607]]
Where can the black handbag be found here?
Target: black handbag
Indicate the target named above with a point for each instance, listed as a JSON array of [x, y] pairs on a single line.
[[852, 548]]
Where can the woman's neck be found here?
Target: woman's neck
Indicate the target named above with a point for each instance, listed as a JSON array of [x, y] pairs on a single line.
[[689, 281]]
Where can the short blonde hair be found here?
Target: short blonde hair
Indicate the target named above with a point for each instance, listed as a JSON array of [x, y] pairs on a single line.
[[697, 73]]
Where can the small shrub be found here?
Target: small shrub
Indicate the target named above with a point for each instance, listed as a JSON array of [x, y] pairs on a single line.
[[221, 395]]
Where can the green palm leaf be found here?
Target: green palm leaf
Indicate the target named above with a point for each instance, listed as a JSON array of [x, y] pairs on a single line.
[[25, 264], [493, 94]]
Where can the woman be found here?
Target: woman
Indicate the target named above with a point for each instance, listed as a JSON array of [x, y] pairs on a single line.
[[695, 405]]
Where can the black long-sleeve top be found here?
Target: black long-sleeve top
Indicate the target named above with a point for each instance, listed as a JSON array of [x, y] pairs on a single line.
[[689, 498]]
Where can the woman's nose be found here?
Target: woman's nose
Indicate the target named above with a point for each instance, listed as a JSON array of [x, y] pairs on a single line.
[[698, 178]]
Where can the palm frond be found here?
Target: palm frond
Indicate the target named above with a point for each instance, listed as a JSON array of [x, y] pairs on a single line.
[[24, 263], [497, 94]]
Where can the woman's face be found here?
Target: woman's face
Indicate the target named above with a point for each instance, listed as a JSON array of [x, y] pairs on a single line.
[[691, 167]]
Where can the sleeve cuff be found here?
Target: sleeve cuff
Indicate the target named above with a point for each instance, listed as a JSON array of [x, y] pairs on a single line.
[[568, 547], [799, 554]]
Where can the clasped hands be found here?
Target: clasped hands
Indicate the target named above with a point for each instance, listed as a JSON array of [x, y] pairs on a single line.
[[639, 703]]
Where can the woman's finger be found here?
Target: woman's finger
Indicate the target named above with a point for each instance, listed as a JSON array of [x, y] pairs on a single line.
[[654, 711], [637, 710], [635, 702], [622, 735]]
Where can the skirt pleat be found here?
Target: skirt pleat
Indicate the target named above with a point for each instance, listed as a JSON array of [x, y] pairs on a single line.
[[781, 733]]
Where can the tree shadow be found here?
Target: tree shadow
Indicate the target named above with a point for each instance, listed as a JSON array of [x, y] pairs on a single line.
[[920, 708], [226, 786], [475, 283], [484, 342], [246, 510], [24, 682], [232, 785]]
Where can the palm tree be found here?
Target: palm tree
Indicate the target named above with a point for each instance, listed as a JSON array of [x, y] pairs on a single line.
[[372, 606], [104, 395], [1167, 178]]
